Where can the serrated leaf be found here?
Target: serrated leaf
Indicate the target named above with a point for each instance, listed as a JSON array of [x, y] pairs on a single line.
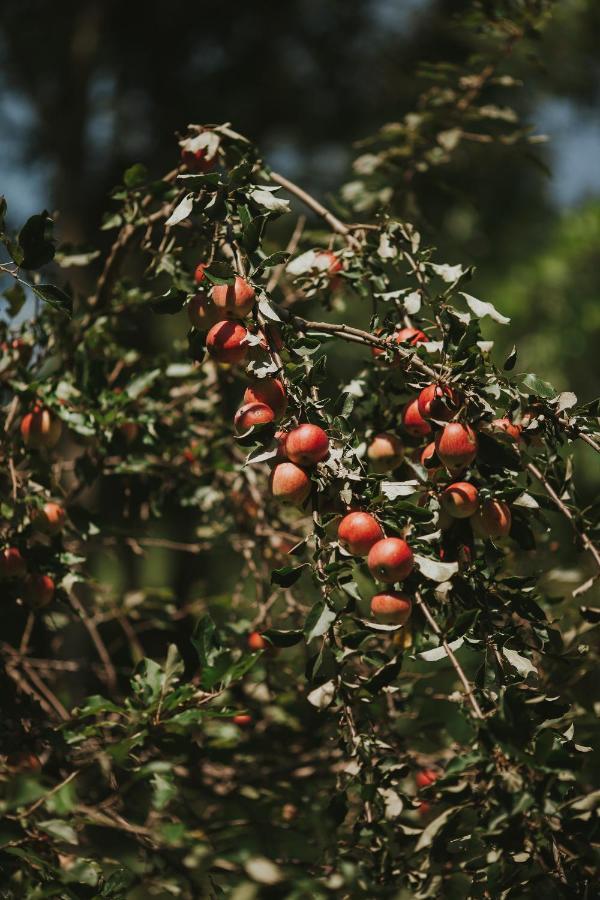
[[538, 386]]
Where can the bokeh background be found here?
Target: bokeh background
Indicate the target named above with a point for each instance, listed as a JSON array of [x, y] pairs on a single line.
[[88, 87]]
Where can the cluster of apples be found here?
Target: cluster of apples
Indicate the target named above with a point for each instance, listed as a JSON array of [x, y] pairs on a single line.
[[38, 589]]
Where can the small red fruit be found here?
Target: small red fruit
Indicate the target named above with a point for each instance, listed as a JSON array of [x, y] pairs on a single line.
[[40, 429], [456, 446], [195, 160], [327, 261], [199, 272], [51, 518], [257, 642], [307, 445], [226, 342], [358, 531], [12, 564], [391, 607], [234, 300], [281, 438], [252, 414], [425, 777], [202, 312], [390, 560], [508, 427], [385, 452], [269, 391], [242, 719], [435, 402], [429, 459], [290, 483], [39, 590], [414, 336], [413, 421], [492, 520], [460, 500]]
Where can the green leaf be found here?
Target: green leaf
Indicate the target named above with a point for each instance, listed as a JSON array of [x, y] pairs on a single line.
[[287, 575], [135, 175], [35, 242], [164, 789], [480, 309], [523, 665], [283, 638], [542, 388], [205, 641], [318, 620], [54, 297], [169, 303], [59, 829], [511, 360]]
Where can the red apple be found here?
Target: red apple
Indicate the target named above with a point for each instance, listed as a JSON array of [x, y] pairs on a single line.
[[425, 777], [290, 483], [51, 518], [252, 414], [40, 428], [358, 531], [307, 445], [385, 452], [456, 446], [492, 520], [242, 719], [195, 161], [269, 391], [429, 459], [508, 427], [460, 500], [327, 260], [257, 642], [226, 342], [281, 438], [436, 401], [391, 607], [199, 272], [234, 300], [202, 312], [390, 560], [12, 564], [413, 421], [39, 590]]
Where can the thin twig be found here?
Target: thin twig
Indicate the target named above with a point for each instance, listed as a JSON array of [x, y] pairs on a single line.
[[312, 203], [109, 669], [457, 666]]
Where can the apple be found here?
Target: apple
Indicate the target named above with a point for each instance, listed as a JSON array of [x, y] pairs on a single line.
[[50, 518], [281, 438], [199, 272], [327, 261], [40, 428], [429, 459], [226, 342], [460, 500], [358, 531], [234, 300], [202, 312], [436, 401], [252, 414], [195, 160], [307, 445], [269, 391], [12, 564], [413, 421], [508, 427], [492, 520], [390, 560], [456, 446], [242, 719], [385, 452], [39, 590], [257, 642], [425, 777], [391, 607], [290, 483]]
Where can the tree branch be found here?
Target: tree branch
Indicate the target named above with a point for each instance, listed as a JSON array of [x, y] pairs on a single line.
[[334, 223]]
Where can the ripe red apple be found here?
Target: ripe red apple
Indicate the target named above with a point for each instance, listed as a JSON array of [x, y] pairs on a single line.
[[508, 427], [307, 445], [456, 446], [234, 300], [460, 500], [391, 607], [358, 531], [242, 719], [12, 564], [39, 590], [257, 642], [413, 421], [385, 452], [226, 342], [40, 428], [425, 777], [51, 518], [269, 391], [492, 520], [202, 312], [290, 483], [429, 459], [436, 401], [195, 161], [252, 414], [326, 260], [199, 272], [281, 438], [390, 560]]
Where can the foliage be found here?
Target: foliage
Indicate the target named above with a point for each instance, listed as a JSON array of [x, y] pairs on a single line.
[[198, 765]]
